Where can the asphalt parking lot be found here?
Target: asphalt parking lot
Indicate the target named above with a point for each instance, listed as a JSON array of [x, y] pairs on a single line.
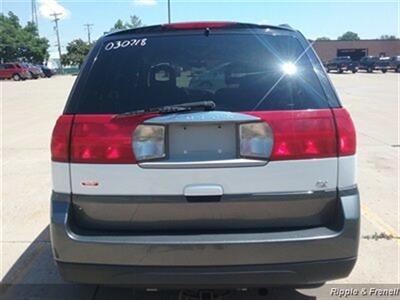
[[29, 110]]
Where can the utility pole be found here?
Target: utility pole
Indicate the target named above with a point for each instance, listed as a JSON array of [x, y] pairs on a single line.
[[88, 27], [56, 19], [34, 14], [169, 12]]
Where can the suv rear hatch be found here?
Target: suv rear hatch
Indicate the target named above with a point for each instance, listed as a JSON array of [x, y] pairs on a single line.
[[265, 159]]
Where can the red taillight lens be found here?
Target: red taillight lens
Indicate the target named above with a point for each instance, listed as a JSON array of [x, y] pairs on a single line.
[[60, 139], [346, 132], [103, 139], [301, 134]]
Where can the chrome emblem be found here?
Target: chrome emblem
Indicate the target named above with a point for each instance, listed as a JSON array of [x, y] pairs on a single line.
[[321, 183]]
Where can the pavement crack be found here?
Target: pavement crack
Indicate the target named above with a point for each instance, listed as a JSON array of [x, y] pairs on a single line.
[[381, 236], [373, 138]]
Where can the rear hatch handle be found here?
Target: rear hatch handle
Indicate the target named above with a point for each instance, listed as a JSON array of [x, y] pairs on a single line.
[[203, 192]]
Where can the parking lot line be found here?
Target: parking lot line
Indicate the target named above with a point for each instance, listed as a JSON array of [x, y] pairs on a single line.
[[378, 222]]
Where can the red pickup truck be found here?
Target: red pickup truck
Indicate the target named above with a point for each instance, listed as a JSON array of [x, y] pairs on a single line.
[[13, 71]]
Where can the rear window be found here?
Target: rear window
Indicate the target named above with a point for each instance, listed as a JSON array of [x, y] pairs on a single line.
[[238, 71]]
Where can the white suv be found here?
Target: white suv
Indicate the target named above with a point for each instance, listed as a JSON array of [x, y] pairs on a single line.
[[245, 182]]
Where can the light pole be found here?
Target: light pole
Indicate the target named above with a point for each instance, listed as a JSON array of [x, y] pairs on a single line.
[[34, 14], [169, 12], [88, 26], [56, 19]]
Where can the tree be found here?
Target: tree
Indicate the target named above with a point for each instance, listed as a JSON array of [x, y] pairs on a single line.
[[349, 36], [134, 22], [36, 51], [323, 38], [76, 53], [119, 25], [21, 43], [388, 37]]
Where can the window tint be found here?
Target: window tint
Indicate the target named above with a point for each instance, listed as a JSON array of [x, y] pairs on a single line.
[[239, 72]]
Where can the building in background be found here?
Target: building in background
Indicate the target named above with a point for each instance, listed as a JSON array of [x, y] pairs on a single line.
[[356, 49]]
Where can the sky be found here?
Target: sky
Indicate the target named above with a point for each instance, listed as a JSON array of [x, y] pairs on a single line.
[[370, 19]]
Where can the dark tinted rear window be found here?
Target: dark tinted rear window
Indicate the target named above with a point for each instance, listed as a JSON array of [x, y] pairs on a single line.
[[238, 71]]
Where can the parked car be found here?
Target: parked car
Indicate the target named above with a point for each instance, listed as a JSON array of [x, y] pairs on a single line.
[[372, 63], [13, 71], [383, 64], [395, 63], [34, 71], [47, 71], [160, 184], [342, 63]]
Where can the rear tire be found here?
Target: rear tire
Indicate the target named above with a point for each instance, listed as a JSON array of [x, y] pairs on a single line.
[[370, 70], [16, 77], [384, 71], [340, 71], [398, 69], [354, 71]]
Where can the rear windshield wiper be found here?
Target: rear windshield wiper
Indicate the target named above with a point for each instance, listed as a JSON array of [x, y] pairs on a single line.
[[169, 109]]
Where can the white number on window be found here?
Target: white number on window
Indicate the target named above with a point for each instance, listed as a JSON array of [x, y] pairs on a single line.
[[125, 43]]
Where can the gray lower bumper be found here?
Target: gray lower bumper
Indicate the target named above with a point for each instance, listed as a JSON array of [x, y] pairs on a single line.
[[295, 274], [315, 250]]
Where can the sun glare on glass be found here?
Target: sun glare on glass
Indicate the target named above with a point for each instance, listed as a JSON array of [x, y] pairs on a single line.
[[289, 68]]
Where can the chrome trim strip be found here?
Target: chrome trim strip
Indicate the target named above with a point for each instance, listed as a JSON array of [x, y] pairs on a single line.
[[273, 196], [227, 163], [311, 234], [202, 117]]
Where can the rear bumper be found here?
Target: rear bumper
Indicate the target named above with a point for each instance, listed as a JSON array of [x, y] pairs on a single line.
[[295, 257], [295, 274], [25, 75], [35, 75]]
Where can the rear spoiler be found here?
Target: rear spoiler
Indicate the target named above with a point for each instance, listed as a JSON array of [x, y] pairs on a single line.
[[197, 26]]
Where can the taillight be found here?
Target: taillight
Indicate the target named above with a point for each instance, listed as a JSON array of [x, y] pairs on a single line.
[[103, 139], [301, 134], [346, 132], [60, 139]]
